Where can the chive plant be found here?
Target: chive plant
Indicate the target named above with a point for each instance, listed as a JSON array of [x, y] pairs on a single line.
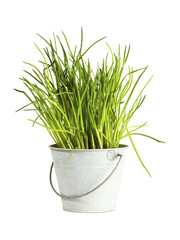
[[81, 108]]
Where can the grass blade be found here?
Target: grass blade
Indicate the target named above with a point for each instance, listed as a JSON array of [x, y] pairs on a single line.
[[137, 153], [145, 135]]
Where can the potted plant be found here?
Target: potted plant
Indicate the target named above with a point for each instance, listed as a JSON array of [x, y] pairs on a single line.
[[88, 114]]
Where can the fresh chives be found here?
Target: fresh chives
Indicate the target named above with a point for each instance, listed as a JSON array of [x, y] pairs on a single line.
[[81, 108]]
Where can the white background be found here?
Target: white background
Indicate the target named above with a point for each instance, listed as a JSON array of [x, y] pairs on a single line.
[[147, 208]]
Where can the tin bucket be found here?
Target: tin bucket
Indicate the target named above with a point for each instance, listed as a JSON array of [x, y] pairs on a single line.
[[88, 179]]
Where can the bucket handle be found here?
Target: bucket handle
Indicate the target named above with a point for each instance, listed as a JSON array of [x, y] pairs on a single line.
[[92, 190]]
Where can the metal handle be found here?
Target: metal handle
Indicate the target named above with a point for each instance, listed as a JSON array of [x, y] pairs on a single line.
[[92, 190]]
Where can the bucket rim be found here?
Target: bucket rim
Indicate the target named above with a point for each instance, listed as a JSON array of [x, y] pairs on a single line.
[[56, 148]]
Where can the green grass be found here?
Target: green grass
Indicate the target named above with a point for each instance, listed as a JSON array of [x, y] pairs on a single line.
[[78, 107]]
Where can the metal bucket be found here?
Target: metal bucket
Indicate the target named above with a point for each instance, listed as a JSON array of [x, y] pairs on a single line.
[[90, 180]]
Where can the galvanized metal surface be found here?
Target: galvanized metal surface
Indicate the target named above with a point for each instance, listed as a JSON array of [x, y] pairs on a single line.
[[86, 170]]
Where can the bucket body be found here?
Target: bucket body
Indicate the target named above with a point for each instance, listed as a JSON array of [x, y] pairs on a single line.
[[86, 169]]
